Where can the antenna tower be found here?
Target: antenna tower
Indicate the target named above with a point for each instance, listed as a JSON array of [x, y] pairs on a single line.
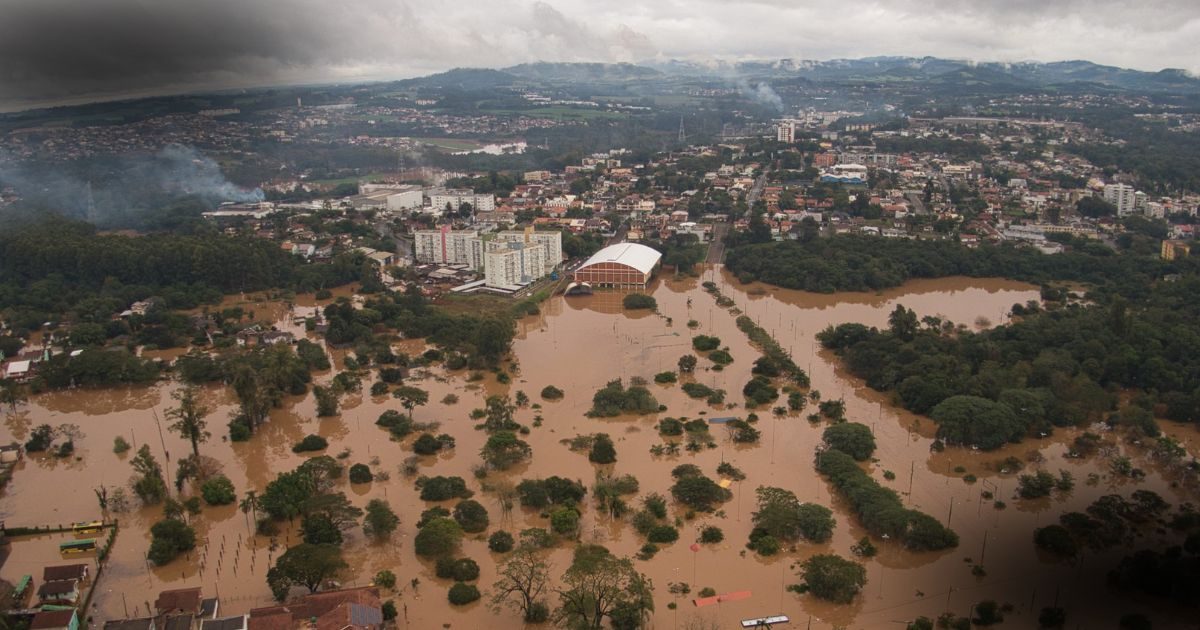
[[682, 135]]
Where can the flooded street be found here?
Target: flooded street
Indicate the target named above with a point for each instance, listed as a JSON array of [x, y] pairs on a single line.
[[578, 344]]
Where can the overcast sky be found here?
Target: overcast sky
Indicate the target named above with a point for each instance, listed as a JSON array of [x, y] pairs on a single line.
[[72, 50]]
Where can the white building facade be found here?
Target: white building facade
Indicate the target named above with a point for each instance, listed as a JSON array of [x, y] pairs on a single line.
[[438, 198], [1123, 196]]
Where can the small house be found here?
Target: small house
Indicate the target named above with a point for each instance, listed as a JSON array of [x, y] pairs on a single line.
[[144, 623], [10, 453], [55, 620], [65, 572], [179, 601], [59, 592]]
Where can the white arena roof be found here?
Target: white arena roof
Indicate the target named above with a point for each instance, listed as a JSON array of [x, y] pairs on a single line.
[[633, 255]]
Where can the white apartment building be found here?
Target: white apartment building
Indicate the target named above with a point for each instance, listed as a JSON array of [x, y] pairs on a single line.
[[1123, 196], [785, 131], [445, 246], [438, 198], [512, 264], [507, 259]]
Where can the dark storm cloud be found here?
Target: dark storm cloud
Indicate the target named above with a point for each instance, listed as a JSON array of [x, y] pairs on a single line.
[[64, 49]]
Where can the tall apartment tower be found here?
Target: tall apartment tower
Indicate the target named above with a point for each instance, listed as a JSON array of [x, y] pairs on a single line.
[[1123, 196], [785, 131]]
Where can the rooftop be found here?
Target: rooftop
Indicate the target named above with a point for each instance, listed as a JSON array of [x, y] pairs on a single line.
[[634, 255]]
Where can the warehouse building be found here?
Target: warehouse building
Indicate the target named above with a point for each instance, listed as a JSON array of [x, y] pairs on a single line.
[[624, 265]]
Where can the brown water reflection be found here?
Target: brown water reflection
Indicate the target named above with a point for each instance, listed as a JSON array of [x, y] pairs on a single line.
[[578, 344]]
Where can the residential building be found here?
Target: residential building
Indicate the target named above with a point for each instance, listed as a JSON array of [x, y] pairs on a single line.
[[439, 198], [1123, 196], [1172, 249], [346, 609], [444, 246], [65, 572], [785, 131], [513, 264], [55, 620]]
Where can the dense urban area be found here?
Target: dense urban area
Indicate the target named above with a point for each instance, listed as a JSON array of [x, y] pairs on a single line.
[[582, 308]]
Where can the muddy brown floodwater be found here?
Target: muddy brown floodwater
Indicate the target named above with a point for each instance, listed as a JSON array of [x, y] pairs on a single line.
[[578, 344]]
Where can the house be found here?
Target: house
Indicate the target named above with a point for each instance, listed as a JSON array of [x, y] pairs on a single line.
[[346, 609], [238, 622], [59, 592], [19, 370], [55, 620], [179, 601], [144, 623], [179, 622], [65, 572], [10, 453], [255, 336]]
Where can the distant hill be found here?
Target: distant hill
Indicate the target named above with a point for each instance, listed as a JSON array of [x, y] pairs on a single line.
[[945, 72], [582, 72], [463, 79]]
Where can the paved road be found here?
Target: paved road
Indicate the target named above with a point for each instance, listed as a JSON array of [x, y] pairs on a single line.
[[756, 190], [917, 199], [404, 246], [716, 248]]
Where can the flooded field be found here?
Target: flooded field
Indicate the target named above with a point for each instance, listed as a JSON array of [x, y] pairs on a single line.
[[578, 344]]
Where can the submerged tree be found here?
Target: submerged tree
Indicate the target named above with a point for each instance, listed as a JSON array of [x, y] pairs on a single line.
[[188, 418], [148, 481], [520, 582], [305, 565], [599, 586]]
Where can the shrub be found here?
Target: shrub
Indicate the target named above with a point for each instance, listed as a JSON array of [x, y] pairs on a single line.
[[564, 520], [720, 357], [759, 391], [663, 534], [665, 377], [360, 473], [461, 594], [218, 490], [705, 343], [465, 570], [670, 426], [639, 301], [1036, 485], [851, 438], [880, 509], [1056, 539], [442, 488], [471, 516], [310, 443], [380, 521], [385, 579], [239, 431], [551, 392], [169, 538], [699, 492], [711, 534], [500, 542], [426, 444], [833, 578], [439, 537], [120, 445], [602, 451], [614, 399]]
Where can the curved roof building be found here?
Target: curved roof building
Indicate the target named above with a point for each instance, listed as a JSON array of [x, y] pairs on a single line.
[[621, 265]]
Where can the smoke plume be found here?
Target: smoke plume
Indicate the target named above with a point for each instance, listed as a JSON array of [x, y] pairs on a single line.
[[761, 93], [124, 191]]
